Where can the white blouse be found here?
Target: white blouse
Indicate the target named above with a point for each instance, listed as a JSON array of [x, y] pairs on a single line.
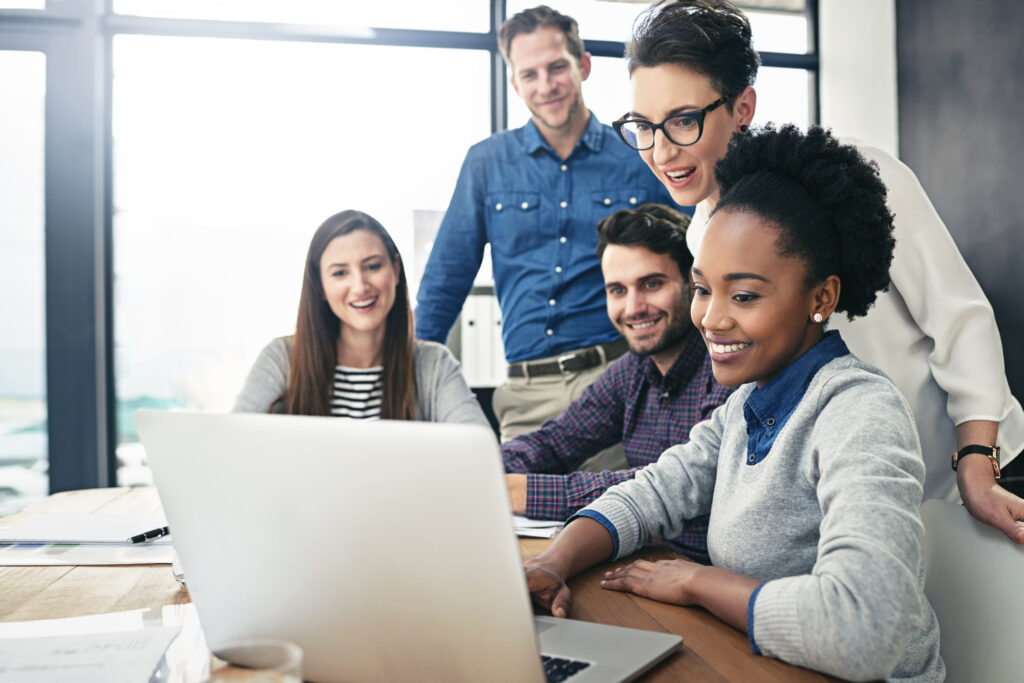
[[933, 333]]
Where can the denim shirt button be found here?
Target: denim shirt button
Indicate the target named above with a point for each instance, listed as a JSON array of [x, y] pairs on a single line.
[[770, 422], [497, 207], [751, 458]]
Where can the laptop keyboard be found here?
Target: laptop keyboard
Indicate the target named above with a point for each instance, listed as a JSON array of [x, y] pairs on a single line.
[[559, 669]]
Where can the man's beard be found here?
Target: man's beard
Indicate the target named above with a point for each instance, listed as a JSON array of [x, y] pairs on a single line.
[[674, 334], [574, 110]]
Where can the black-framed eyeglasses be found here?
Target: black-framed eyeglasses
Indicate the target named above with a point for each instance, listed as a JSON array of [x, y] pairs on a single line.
[[682, 129]]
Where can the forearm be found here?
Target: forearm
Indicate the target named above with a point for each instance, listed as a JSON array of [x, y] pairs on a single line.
[[580, 545], [975, 470], [724, 594], [981, 432]]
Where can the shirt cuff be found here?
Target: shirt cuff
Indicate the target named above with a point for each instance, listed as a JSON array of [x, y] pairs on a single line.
[[603, 521], [750, 620], [545, 496]]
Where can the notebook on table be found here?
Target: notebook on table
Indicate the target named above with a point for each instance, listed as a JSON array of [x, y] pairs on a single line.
[[385, 549]]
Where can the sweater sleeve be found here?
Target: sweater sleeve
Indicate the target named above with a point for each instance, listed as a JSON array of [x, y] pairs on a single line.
[[662, 496], [855, 613], [444, 395], [268, 378]]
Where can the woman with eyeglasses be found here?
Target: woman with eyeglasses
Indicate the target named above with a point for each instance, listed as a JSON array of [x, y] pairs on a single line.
[[353, 354], [693, 65]]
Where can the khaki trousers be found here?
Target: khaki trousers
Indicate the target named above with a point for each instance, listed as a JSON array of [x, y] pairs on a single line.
[[523, 404]]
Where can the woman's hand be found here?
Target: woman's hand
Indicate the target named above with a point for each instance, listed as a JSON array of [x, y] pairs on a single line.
[[662, 580], [547, 588], [683, 582], [581, 544], [987, 501]]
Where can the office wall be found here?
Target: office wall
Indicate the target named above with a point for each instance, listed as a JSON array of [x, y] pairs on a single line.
[[960, 86], [857, 86]]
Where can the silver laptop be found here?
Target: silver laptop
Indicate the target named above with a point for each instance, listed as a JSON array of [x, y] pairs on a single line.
[[385, 549]]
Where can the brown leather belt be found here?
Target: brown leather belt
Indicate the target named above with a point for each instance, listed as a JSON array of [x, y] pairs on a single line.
[[573, 361]]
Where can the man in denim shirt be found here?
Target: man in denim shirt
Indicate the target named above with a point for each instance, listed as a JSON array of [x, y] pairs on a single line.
[[536, 195]]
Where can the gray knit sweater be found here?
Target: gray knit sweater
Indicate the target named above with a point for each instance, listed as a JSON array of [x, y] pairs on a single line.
[[829, 519], [442, 394]]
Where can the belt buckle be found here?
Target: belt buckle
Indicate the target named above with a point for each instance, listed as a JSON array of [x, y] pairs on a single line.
[[563, 359]]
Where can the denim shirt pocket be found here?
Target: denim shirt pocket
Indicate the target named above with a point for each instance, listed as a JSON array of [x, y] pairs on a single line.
[[513, 222], [606, 202]]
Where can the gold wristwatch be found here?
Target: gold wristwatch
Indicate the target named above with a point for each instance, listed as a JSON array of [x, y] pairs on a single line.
[[990, 452]]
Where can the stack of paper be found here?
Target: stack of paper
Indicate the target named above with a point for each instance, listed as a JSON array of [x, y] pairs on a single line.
[[536, 528], [82, 539], [105, 648]]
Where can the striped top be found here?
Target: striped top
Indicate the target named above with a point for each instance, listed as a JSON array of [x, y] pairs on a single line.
[[357, 392]]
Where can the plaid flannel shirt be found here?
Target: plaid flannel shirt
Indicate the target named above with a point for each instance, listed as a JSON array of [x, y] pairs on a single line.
[[631, 403]]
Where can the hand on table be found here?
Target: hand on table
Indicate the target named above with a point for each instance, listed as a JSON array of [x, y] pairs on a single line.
[[989, 502], [547, 588], [662, 580]]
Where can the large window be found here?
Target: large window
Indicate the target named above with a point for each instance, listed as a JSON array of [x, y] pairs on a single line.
[[784, 94], [195, 145], [452, 15], [227, 156], [23, 442]]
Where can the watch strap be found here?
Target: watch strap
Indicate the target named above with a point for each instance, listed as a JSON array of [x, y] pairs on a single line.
[[990, 452]]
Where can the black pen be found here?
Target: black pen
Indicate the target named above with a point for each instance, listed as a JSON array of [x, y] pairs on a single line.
[[149, 535]]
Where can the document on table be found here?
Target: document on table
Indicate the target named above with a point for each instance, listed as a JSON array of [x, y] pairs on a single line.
[[51, 554], [82, 539], [83, 649], [536, 528], [81, 528]]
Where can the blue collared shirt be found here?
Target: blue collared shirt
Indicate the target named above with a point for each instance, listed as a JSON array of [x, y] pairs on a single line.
[[539, 213], [768, 408]]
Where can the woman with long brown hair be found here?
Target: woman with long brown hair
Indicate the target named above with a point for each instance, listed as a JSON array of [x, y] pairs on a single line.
[[353, 353]]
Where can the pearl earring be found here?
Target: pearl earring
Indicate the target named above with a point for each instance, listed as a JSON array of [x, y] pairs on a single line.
[[817, 317]]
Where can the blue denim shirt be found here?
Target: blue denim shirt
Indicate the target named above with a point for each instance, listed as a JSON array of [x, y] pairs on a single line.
[[768, 408], [539, 213]]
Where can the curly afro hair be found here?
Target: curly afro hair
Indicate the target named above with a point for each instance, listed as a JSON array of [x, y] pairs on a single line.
[[825, 197]]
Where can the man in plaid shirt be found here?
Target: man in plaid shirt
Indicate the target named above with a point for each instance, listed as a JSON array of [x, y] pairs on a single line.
[[648, 399]]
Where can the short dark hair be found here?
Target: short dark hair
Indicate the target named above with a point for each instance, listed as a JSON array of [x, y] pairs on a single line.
[[529, 20], [827, 200], [711, 37], [652, 226]]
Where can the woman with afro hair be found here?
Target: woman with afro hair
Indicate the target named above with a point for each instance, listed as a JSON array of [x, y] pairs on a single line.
[[693, 65], [811, 471]]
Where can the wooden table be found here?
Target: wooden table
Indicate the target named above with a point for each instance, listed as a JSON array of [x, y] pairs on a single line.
[[711, 651]]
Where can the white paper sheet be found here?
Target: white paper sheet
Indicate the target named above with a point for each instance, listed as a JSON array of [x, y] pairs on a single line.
[[122, 657], [536, 528], [48, 554], [82, 528]]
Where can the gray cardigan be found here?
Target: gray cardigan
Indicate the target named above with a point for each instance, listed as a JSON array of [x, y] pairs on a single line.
[[442, 394], [829, 519]]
